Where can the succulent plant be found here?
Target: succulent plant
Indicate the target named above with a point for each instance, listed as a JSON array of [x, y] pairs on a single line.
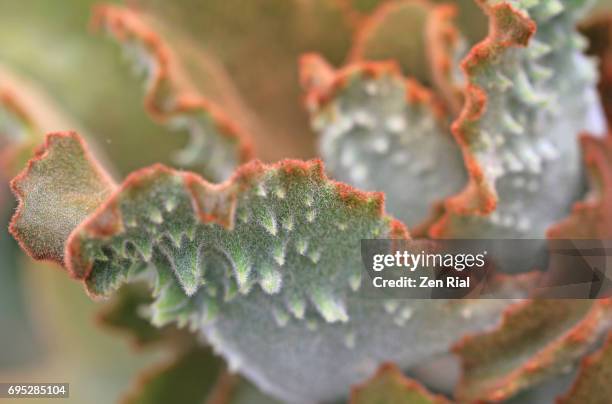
[[260, 261]]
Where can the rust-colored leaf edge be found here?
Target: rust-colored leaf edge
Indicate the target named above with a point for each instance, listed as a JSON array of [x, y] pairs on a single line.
[[221, 215], [322, 82], [591, 217], [123, 23], [509, 28], [391, 370], [40, 153], [587, 364], [440, 37], [583, 331]]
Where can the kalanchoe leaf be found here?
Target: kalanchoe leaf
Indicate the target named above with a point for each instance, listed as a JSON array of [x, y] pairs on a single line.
[[471, 20], [545, 392], [216, 239], [382, 36], [543, 337], [267, 265], [431, 55], [446, 48], [381, 132], [190, 379], [216, 145], [60, 187], [190, 363], [260, 66], [593, 382], [591, 218], [529, 95], [390, 386], [536, 340]]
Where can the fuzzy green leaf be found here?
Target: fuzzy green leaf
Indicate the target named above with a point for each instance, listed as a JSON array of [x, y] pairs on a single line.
[[61, 186], [268, 266], [546, 337], [530, 94], [381, 132], [239, 235]]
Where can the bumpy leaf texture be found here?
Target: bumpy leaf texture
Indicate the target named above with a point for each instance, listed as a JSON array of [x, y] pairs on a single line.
[[382, 132], [529, 93], [266, 265], [260, 265], [539, 339]]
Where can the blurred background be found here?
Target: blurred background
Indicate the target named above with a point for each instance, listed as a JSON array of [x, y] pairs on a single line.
[[244, 55]]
